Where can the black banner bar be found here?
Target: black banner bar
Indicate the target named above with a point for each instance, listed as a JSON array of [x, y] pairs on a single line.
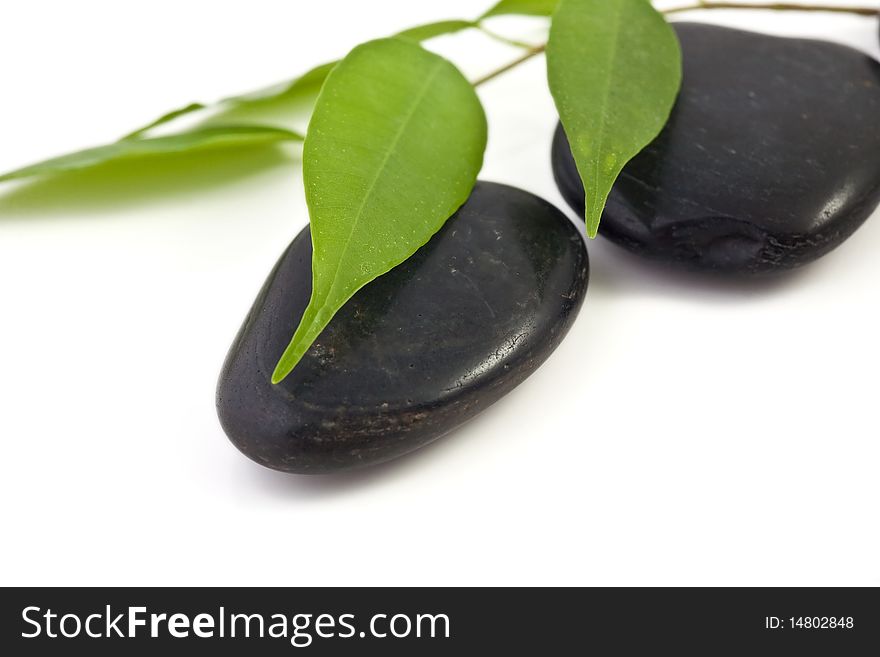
[[115, 621]]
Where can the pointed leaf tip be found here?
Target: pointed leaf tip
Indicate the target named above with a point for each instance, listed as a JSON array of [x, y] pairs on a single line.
[[614, 68]]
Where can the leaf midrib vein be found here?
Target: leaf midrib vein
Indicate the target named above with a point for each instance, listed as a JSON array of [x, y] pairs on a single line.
[[418, 99], [612, 65]]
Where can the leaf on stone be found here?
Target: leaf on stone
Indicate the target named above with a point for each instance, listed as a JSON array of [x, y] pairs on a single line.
[[523, 8], [393, 149], [214, 137], [614, 68]]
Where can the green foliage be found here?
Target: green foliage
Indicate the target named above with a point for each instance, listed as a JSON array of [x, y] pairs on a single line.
[[304, 88], [214, 137], [432, 30], [397, 134], [393, 149], [523, 7], [614, 68], [306, 85], [165, 118], [238, 111]]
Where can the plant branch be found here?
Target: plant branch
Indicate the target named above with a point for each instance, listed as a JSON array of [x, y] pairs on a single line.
[[533, 51], [775, 6], [503, 39]]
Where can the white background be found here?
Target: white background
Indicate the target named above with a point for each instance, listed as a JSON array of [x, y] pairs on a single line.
[[684, 433]]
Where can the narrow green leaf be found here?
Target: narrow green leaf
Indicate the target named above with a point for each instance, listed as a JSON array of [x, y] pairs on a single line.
[[239, 111], [309, 84], [523, 8], [306, 87], [614, 68], [432, 30], [392, 151], [165, 118], [215, 137]]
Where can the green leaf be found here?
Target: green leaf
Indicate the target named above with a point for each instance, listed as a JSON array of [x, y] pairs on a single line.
[[431, 30], [309, 84], [393, 149], [220, 136], [522, 7], [306, 87], [165, 118], [242, 108], [241, 113], [614, 68]]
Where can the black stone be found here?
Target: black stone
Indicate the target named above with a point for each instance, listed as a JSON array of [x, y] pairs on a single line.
[[418, 351], [771, 157]]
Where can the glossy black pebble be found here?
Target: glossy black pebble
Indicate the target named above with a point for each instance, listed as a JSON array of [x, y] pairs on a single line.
[[415, 353], [771, 157]]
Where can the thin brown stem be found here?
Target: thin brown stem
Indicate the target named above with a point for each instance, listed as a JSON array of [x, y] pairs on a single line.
[[703, 4], [503, 39], [531, 52], [776, 6]]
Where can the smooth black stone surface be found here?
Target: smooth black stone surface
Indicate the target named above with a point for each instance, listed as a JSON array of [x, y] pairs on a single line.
[[418, 351], [771, 157]]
